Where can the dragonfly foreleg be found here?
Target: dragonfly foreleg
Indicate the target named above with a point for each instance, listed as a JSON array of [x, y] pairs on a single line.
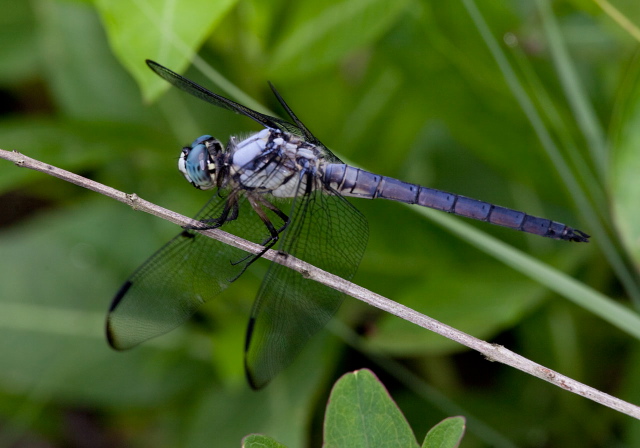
[[229, 213]]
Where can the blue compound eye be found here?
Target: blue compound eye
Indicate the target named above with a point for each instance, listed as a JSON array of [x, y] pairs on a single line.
[[196, 163]]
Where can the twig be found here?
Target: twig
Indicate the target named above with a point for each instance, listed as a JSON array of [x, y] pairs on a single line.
[[492, 352]]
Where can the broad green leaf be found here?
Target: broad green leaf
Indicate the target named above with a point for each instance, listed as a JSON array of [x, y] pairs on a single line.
[[361, 413], [323, 32], [18, 43], [260, 441], [168, 31], [52, 314], [446, 434], [85, 79], [77, 146], [491, 298]]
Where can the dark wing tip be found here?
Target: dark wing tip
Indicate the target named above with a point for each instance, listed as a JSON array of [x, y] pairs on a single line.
[[111, 338], [253, 381], [252, 323]]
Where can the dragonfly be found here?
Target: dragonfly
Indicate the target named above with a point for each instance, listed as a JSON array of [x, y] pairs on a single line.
[[251, 179]]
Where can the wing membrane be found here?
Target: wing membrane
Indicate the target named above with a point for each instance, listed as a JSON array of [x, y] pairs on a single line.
[[328, 232], [186, 272], [198, 91], [218, 100]]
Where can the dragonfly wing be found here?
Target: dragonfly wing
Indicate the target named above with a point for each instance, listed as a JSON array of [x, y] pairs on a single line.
[[186, 272], [328, 232], [198, 91], [204, 94], [304, 131]]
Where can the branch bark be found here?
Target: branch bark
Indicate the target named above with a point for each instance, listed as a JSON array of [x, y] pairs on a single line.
[[492, 352]]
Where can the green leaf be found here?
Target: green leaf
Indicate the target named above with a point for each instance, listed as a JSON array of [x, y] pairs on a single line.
[[47, 325], [260, 441], [626, 162], [491, 298], [446, 434], [66, 146], [83, 76], [361, 413], [169, 31], [282, 410], [18, 43], [322, 34]]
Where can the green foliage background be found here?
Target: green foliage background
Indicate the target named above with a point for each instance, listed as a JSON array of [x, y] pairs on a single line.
[[522, 103]]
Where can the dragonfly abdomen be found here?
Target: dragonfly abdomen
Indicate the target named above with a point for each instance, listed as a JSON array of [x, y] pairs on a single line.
[[354, 182]]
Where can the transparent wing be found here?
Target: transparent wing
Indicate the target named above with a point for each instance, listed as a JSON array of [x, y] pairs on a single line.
[[186, 272], [198, 91], [328, 232], [304, 131], [204, 94]]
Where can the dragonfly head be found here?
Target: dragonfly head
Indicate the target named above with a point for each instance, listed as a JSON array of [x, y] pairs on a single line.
[[197, 162]]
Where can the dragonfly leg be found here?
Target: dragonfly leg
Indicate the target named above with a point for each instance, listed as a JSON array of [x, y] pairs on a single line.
[[257, 203], [229, 213], [285, 219]]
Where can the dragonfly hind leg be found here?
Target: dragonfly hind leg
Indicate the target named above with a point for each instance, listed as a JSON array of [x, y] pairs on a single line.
[[257, 203]]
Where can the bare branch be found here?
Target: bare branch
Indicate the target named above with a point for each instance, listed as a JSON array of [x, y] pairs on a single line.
[[492, 352]]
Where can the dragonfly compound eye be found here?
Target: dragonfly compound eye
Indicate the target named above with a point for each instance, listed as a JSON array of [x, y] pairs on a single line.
[[196, 163]]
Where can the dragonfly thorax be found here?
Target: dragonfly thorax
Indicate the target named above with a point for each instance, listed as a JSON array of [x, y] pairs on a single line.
[[274, 162], [198, 162]]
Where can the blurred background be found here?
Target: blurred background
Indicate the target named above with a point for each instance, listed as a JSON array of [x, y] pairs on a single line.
[[532, 105]]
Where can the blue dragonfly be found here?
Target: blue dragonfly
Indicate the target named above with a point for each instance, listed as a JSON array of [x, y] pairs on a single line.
[[251, 178]]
